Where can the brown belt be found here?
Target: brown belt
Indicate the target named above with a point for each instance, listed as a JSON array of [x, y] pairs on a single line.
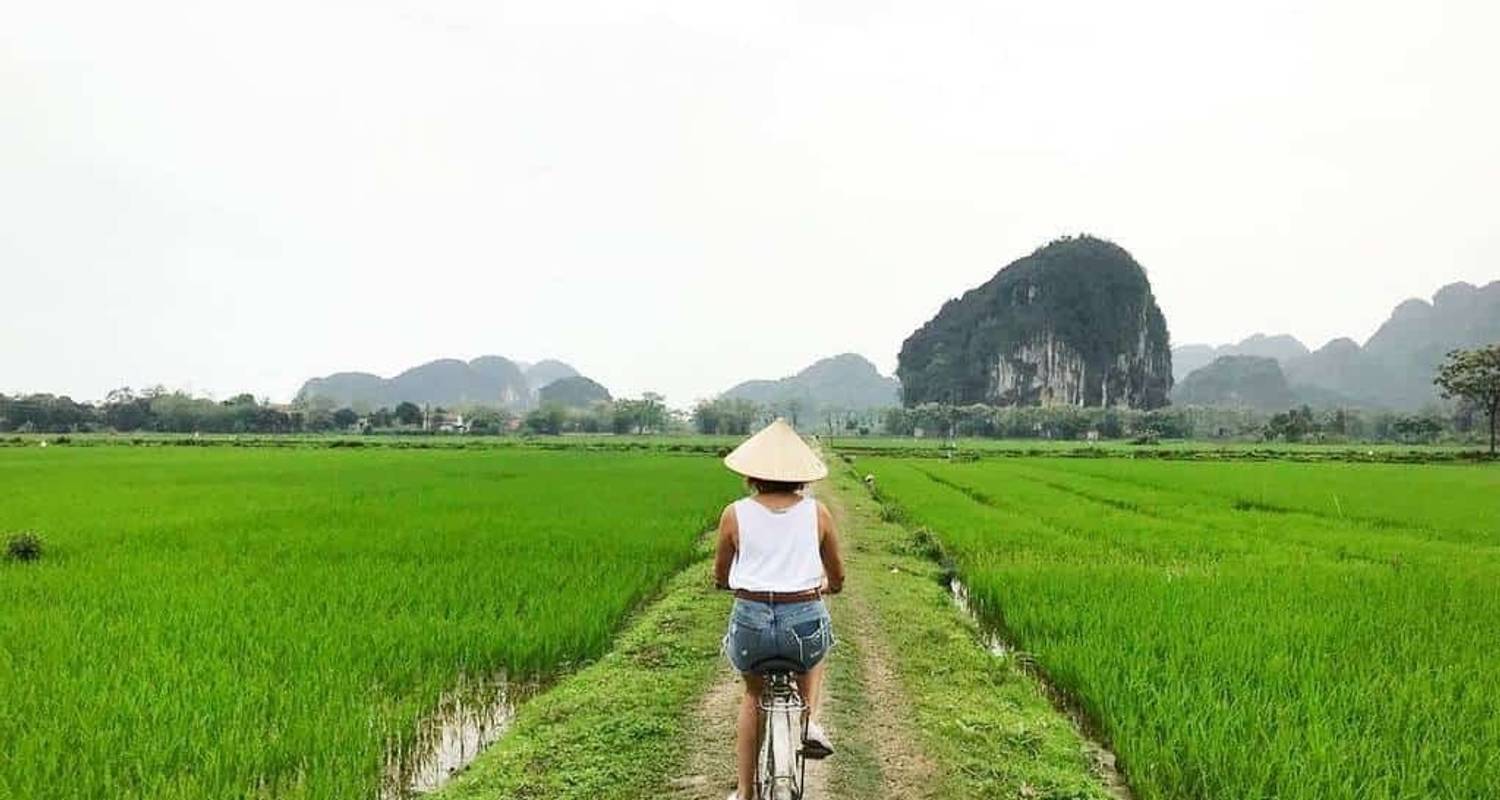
[[778, 597]]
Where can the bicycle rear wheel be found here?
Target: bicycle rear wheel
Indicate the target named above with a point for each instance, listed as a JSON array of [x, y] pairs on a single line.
[[781, 742]]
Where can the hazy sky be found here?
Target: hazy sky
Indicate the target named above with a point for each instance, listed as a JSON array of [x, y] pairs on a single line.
[[676, 196]]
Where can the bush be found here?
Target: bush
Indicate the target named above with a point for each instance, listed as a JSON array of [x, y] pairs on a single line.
[[23, 546]]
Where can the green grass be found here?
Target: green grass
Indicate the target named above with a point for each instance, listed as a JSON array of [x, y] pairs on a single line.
[[227, 623], [620, 728], [983, 722], [1233, 629]]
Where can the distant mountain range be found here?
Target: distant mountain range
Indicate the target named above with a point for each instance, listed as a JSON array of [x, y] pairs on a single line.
[[1191, 357], [846, 382], [1394, 369], [544, 372], [1239, 381], [448, 382]]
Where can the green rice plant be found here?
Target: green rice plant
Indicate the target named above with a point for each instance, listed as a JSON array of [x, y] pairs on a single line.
[[217, 622], [1230, 629]]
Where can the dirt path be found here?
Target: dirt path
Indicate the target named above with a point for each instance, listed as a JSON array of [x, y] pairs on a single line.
[[885, 718], [864, 709], [710, 774]]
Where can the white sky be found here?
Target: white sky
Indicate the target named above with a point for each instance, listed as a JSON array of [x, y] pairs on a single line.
[[677, 196]]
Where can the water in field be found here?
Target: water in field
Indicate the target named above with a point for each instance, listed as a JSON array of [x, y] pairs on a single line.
[[466, 720], [993, 642], [1102, 758]]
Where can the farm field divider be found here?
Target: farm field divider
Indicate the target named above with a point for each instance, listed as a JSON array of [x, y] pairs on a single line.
[[399, 441], [969, 449], [1245, 629], [229, 623]]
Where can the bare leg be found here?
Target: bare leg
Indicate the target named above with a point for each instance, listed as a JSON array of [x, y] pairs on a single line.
[[810, 684], [748, 743]]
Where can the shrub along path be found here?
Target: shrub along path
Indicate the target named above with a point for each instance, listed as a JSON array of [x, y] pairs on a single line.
[[917, 707]]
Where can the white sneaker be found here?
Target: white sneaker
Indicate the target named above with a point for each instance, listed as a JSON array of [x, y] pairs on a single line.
[[816, 745]]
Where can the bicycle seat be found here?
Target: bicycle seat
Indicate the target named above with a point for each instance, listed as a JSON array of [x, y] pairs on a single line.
[[767, 666]]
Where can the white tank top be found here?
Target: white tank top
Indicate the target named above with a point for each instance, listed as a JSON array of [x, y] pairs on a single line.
[[778, 550]]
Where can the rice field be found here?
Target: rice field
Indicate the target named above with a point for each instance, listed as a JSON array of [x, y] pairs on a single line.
[[232, 623], [1262, 629]]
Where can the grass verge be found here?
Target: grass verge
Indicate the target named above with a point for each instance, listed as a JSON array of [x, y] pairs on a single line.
[[985, 723], [616, 728]]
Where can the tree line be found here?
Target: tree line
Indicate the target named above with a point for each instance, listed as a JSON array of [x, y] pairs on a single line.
[[1469, 377], [646, 414], [152, 410], [1300, 424], [158, 410]]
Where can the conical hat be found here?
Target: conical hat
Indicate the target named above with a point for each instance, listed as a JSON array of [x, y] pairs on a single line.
[[777, 453]]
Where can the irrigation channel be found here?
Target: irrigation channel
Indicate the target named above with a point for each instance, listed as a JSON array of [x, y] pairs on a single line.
[[466, 720], [995, 641]]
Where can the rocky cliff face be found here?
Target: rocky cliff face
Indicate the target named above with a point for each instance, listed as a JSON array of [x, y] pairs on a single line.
[[1074, 323]]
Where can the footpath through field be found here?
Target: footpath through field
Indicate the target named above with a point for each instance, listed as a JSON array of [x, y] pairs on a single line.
[[865, 710], [916, 705]]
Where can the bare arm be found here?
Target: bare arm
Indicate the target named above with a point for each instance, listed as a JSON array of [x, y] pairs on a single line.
[[828, 548], [729, 544]]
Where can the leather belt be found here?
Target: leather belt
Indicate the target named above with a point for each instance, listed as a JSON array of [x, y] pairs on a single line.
[[774, 598]]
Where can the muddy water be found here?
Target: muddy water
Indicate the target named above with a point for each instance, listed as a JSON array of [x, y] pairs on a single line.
[[466, 720], [992, 640]]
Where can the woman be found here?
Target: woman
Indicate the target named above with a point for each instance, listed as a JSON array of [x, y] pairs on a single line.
[[779, 553]]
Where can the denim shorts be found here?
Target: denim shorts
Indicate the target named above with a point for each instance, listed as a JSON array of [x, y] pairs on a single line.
[[798, 632]]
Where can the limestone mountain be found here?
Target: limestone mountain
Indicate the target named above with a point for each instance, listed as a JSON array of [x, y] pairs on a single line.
[[574, 391], [1340, 368], [1238, 381], [1283, 348], [546, 371], [1408, 348], [1074, 323], [1394, 369], [448, 382], [1189, 358], [846, 382]]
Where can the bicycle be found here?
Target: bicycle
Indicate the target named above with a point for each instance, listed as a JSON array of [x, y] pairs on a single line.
[[783, 754]]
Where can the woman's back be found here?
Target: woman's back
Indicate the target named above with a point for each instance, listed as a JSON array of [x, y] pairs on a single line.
[[779, 551]]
